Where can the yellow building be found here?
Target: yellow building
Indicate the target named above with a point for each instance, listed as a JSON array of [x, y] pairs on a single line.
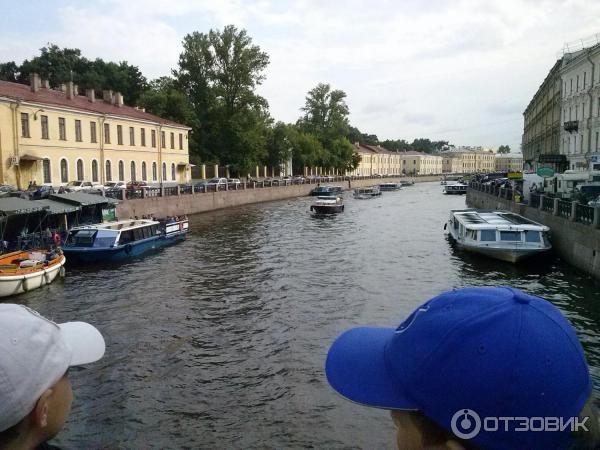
[[419, 163], [52, 137], [376, 160], [509, 162], [469, 161]]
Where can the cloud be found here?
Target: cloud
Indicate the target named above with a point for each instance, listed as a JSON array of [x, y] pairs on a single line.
[[409, 68]]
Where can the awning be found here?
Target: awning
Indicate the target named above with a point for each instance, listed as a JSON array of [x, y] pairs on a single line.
[[184, 164], [30, 158], [83, 199], [56, 207], [10, 206]]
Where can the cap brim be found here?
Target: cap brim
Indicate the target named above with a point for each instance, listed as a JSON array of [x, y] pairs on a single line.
[[85, 342], [356, 369]]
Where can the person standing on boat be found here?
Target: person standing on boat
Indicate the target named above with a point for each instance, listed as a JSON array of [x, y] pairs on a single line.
[[474, 368], [35, 392]]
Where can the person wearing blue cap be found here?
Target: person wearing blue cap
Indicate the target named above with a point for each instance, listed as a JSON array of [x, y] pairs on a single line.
[[485, 368]]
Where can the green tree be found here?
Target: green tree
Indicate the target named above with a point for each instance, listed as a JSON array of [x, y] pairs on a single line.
[[219, 72], [9, 71], [355, 135], [325, 113], [504, 149]]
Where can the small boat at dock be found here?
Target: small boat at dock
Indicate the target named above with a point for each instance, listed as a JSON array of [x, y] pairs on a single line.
[[367, 192], [501, 235], [23, 271], [326, 191], [387, 187], [455, 189], [328, 205], [118, 241]]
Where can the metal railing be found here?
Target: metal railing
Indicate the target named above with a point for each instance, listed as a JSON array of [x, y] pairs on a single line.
[[584, 214], [564, 209], [548, 204], [534, 200]]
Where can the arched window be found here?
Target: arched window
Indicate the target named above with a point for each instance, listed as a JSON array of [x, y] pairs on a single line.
[[94, 170], [144, 176], [64, 171], [79, 170], [154, 174], [132, 170], [121, 171], [164, 174], [173, 171], [108, 173], [47, 171]]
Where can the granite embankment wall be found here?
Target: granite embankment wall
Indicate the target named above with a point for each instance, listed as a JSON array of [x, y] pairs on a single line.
[[576, 243], [210, 201]]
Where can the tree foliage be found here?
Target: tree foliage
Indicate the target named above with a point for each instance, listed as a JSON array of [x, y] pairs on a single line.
[[504, 149]]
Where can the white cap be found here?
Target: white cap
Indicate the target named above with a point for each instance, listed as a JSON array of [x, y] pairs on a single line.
[[34, 355]]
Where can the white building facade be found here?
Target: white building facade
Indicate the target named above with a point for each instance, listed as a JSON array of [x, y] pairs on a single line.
[[580, 109]]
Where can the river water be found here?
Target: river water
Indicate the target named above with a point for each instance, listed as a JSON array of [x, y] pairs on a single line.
[[219, 342]]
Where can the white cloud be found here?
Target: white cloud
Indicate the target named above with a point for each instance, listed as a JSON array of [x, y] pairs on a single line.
[[463, 70]]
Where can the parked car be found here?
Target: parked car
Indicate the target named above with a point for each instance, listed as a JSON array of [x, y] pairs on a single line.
[[137, 185], [76, 186], [115, 185], [234, 183], [216, 183], [41, 192]]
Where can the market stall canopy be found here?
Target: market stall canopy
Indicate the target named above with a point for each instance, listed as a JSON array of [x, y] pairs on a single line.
[[10, 206], [83, 199], [56, 207]]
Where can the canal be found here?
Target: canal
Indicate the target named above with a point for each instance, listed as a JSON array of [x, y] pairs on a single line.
[[219, 342]]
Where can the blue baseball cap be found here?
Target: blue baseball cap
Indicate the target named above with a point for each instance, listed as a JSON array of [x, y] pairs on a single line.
[[475, 354]]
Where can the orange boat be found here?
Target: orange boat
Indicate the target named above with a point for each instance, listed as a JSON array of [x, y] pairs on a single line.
[[23, 271]]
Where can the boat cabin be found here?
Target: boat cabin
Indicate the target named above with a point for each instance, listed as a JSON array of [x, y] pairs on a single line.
[[113, 234]]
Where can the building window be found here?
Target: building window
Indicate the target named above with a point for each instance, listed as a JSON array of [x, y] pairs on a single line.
[[95, 170], [79, 170], [597, 135], [48, 172], [132, 170], [164, 171], [162, 139], [143, 137], [172, 140], [571, 88], [78, 130], [144, 175], [119, 135], [584, 78], [577, 83], [93, 138], [154, 174], [173, 171], [64, 171], [25, 125], [62, 129], [121, 171], [180, 141], [153, 137], [131, 136], [44, 122], [107, 133], [108, 171]]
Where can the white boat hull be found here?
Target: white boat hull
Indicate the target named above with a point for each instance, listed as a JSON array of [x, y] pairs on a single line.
[[18, 284]]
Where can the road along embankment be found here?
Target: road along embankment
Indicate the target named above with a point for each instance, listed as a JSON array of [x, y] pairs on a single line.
[[193, 203], [577, 243]]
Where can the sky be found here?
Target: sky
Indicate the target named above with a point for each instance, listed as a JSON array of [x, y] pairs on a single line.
[[457, 70]]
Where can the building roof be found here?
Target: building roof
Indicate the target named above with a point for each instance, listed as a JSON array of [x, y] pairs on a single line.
[[509, 155], [56, 207], [83, 198], [14, 205], [57, 98]]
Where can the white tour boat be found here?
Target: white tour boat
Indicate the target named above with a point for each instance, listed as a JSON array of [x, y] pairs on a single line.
[[502, 235], [455, 188]]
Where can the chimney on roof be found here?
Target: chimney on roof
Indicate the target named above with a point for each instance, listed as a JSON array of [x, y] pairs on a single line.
[[70, 90], [91, 95], [34, 82], [119, 99], [46, 84], [107, 96]]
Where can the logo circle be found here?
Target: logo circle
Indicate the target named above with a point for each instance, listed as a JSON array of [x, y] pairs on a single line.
[[466, 424]]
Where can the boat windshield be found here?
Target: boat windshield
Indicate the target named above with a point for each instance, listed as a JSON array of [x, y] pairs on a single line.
[[510, 236], [532, 236], [105, 238], [487, 235], [92, 238]]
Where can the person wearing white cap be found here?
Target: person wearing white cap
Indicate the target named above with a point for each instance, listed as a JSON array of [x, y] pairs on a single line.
[[35, 393]]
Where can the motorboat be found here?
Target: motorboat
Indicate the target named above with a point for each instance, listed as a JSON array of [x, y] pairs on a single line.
[[407, 183], [328, 205], [117, 241], [450, 179], [23, 271], [324, 191], [455, 189], [367, 192], [502, 235], [386, 187]]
